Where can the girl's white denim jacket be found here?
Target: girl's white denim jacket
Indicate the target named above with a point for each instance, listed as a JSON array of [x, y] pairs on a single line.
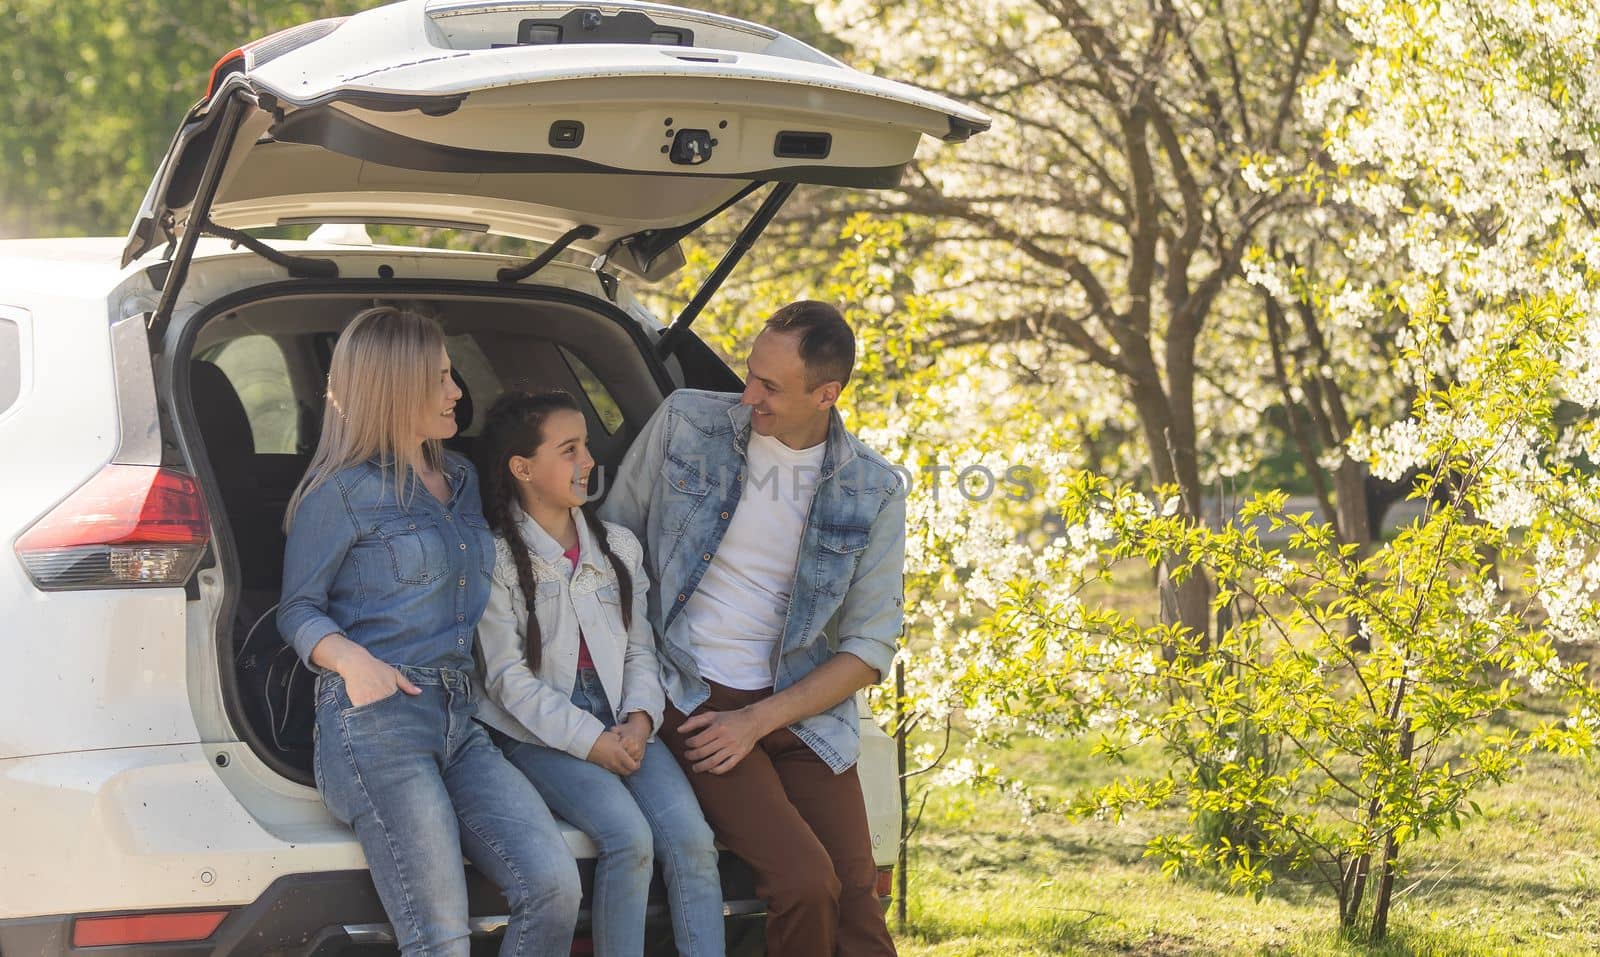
[[537, 707]]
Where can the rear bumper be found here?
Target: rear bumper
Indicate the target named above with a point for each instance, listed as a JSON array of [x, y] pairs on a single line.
[[142, 831], [337, 913]]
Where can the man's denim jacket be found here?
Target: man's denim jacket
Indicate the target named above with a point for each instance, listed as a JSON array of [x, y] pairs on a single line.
[[677, 488]]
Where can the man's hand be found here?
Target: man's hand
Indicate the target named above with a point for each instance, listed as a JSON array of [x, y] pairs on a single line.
[[635, 733], [716, 741]]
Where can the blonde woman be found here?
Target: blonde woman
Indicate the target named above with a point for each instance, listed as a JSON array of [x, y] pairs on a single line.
[[385, 576]]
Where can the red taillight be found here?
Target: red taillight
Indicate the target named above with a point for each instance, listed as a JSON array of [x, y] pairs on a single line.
[[129, 525], [885, 882], [145, 928]]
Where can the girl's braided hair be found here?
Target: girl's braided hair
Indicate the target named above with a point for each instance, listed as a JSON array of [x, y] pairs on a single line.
[[515, 426]]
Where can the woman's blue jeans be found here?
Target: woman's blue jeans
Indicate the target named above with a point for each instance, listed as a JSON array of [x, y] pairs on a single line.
[[422, 784], [651, 813]]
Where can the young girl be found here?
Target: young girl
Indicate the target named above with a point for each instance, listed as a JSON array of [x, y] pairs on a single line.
[[573, 689], [386, 572]]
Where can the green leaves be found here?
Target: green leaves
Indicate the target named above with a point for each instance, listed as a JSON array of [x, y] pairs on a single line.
[[1295, 752], [95, 92]]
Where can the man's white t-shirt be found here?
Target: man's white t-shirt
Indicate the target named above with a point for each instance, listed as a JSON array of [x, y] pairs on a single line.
[[735, 618]]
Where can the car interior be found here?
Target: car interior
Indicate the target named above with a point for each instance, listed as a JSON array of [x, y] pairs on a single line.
[[257, 376]]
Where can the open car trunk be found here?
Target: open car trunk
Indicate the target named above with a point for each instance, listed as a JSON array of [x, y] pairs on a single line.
[[249, 372], [617, 130]]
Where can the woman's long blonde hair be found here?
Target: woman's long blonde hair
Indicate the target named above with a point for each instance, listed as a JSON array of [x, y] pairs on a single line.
[[383, 376]]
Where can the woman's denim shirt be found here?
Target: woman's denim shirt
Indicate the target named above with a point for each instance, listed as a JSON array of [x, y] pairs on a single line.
[[407, 581]]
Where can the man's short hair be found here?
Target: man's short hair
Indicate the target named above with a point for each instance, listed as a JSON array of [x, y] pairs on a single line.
[[827, 345]]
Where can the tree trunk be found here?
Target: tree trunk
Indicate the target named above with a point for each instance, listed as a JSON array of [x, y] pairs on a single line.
[[1347, 881], [1381, 495], [1380, 906], [1355, 527], [1391, 848], [1350, 490], [1358, 888], [1186, 602]]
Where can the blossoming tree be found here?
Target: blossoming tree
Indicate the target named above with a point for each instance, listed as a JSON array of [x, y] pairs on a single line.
[[1108, 216], [1465, 134]]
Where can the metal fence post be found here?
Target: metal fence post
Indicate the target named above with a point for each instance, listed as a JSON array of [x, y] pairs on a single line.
[[900, 732]]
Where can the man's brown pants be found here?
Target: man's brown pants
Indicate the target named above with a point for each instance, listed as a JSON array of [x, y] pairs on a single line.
[[803, 830]]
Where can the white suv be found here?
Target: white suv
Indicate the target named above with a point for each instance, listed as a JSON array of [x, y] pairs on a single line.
[[159, 399]]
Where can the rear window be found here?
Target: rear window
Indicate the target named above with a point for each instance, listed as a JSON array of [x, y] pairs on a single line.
[[605, 407], [260, 374], [10, 358]]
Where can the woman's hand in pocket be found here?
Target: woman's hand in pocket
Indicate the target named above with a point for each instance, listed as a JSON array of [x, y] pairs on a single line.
[[366, 679], [376, 682]]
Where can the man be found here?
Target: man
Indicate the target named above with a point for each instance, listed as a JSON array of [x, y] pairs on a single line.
[[776, 545]]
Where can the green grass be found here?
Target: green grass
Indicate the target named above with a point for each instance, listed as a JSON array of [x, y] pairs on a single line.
[[1524, 879]]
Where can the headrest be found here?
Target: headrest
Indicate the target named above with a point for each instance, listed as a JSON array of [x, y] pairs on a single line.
[[220, 414], [463, 404]]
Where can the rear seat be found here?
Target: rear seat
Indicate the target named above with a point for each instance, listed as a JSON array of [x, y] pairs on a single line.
[[255, 488], [275, 690]]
